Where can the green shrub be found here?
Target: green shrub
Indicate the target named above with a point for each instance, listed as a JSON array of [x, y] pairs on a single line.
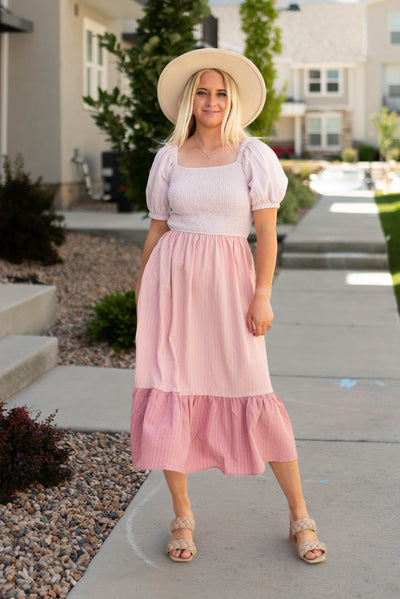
[[297, 198], [29, 228], [389, 213], [349, 155], [367, 153], [113, 319], [30, 452]]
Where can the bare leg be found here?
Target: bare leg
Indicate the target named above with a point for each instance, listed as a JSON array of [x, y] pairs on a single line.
[[288, 477], [177, 484]]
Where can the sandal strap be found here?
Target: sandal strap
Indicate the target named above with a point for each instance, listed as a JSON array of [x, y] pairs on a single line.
[[182, 545], [182, 522], [302, 524], [310, 546]]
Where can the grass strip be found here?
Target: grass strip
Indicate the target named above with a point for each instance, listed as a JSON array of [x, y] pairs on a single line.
[[389, 213]]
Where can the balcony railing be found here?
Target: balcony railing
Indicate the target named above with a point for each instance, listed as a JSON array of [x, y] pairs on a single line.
[[292, 107]]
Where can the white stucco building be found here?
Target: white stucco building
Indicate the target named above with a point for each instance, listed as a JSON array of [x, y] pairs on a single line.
[[340, 62], [49, 60]]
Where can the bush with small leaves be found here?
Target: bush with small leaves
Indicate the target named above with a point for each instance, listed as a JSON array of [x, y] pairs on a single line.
[[367, 153], [349, 155], [29, 227], [31, 451], [113, 319], [298, 196]]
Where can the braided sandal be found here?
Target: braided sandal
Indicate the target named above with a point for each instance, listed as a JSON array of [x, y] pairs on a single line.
[[181, 544], [299, 526]]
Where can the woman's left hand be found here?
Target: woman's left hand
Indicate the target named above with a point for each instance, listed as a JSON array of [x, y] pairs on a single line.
[[259, 315]]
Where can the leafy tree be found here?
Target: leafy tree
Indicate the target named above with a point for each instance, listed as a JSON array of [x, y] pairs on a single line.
[[387, 125], [134, 122], [263, 40]]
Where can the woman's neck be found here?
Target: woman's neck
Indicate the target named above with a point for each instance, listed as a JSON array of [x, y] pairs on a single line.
[[207, 138]]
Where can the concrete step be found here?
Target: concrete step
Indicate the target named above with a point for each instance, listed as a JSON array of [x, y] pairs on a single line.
[[23, 359], [330, 244], [335, 260], [26, 309], [87, 398]]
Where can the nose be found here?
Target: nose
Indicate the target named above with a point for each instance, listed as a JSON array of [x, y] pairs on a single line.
[[211, 99]]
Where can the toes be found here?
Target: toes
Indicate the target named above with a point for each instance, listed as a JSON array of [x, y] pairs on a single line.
[[313, 554], [185, 554]]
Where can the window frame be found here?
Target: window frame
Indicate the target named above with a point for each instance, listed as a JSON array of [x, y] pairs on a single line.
[[323, 93], [388, 84], [99, 69], [394, 28], [323, 132]]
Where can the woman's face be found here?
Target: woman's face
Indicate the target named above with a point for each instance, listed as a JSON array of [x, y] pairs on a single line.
[[210, 102]]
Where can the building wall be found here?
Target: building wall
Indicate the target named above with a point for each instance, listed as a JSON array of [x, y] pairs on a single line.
[[34, 90], [379, 54], [320, 36], [230, 34], [357, 101], [47, 116], [78, 129]]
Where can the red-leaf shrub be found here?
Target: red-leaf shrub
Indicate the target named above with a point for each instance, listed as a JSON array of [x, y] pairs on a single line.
[[30, 451]]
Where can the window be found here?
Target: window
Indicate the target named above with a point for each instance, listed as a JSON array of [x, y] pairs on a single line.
[[314, 131], [332, 81], [323, 82], [394, 28], [314, 81], [393, 82], [323, 132], [95, 69], [332, 127]]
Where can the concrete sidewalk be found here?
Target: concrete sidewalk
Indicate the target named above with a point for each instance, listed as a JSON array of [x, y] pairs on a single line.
[[342, 395], [338, 232], [334, 353]]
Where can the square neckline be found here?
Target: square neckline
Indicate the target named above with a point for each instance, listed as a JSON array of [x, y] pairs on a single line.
[[243, 143]]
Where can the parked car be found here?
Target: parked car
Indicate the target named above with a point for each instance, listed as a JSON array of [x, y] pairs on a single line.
[[394, 185], [340, 179]]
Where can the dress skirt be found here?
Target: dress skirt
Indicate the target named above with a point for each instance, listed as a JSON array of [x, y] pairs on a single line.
[[203, 396]]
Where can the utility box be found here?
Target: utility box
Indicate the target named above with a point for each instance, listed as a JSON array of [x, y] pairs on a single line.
[[113, 187]]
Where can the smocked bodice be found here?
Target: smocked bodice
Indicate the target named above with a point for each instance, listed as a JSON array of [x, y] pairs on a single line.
[[216, 200]]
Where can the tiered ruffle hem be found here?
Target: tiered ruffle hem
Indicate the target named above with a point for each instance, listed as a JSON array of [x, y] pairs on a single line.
[[203, 396]]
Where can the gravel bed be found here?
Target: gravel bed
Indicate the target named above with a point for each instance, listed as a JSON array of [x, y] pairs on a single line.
[[49, 536], [92, 267]]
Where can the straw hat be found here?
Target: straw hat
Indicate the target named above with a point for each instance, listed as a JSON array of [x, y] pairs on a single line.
[[248, 78]]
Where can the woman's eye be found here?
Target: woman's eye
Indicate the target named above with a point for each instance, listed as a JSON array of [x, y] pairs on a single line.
[[223, 94]]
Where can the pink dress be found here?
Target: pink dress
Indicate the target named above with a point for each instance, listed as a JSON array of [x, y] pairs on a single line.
[[203, 396]]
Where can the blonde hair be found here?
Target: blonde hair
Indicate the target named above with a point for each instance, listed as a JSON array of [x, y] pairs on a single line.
[[232, 133]]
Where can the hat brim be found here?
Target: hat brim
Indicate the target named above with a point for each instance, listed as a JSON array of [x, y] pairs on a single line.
[[248, 78]]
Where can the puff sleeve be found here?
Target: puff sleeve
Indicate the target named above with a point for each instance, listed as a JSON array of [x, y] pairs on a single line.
[[265, 177], [158, 184]]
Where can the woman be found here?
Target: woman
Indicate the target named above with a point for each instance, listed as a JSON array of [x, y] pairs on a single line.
[[203, 397]]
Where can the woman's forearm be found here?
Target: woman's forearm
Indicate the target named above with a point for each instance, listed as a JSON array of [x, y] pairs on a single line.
[[267, 247]]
